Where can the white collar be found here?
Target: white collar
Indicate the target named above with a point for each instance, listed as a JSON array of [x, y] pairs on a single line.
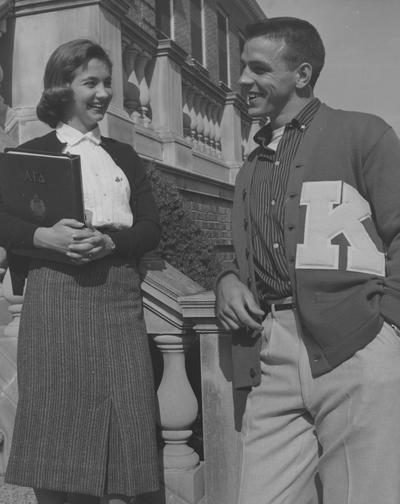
[[277, 134], [71, 136]]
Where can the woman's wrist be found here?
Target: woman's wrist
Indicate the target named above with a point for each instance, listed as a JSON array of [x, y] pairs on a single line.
[[41, 237], [109, 244]]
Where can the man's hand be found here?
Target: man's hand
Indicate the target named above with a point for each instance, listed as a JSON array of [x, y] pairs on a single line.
[[235, 304]]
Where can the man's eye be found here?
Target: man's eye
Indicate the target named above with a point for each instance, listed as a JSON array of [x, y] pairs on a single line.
[[259, 70], [90, 84]]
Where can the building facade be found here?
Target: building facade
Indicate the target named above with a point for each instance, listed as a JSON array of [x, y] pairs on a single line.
[[177, 101], [176, 95]]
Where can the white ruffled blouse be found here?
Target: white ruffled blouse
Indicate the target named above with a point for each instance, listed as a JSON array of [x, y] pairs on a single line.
[[106, 190]]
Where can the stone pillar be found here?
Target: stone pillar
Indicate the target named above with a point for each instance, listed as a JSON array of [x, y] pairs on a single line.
[[64, 20], [231, 133], [222, 445], [166, 89]]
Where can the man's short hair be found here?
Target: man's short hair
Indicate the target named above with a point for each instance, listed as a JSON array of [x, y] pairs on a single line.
[[304, 44]]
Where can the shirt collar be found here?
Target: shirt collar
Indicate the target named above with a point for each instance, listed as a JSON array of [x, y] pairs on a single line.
[[269, 139], [71, 136]]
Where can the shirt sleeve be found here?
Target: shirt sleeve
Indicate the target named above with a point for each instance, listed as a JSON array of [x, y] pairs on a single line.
[[144, 235]]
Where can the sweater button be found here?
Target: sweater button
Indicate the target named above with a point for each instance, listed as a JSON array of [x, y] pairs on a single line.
[[316, 357], [247, 252], [244, 192]]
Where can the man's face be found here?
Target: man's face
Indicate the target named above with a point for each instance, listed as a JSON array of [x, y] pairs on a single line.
[[268, 82]]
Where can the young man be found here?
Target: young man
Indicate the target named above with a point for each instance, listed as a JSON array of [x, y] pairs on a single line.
[[315, 299]]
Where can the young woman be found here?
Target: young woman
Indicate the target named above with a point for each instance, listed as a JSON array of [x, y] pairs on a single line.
[[85, 423]]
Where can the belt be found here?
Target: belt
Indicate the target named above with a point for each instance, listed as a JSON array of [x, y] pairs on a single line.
[[268, 306]]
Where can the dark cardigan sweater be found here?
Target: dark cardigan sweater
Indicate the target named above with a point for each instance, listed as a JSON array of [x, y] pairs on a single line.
[[348, 163], [130, 243]]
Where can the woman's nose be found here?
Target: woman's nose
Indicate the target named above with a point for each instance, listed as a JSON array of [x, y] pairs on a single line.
[[102, 91]]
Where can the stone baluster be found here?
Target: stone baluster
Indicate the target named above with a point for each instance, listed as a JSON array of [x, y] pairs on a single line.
[[200, 120], [206, 120], [187, 105], [217, 111], [142, 61], [131, 84], [177, 402], [8, 366], [193, 115], [210, 108], [245, 131]]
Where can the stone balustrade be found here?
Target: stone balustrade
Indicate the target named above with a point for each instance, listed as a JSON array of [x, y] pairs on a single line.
[[202, 116], [138, 52]]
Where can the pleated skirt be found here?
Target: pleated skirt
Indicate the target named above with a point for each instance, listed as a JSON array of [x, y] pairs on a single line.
[[85, 419]]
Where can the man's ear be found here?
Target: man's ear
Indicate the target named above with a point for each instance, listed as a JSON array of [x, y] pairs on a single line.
[[303, 75]]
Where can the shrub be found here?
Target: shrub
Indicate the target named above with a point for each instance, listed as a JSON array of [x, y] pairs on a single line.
[[183, 243]]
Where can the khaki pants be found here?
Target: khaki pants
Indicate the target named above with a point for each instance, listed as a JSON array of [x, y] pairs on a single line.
[[343, 426]]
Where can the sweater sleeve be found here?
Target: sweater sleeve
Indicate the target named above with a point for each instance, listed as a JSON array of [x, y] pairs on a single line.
[[382, 175], [144, 235], [15, 232]]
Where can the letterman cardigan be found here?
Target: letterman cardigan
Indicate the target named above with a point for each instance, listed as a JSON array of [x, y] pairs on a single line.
[[342, 239], [130, 243]]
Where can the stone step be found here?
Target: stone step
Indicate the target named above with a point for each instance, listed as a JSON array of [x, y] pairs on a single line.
[[10, 494]]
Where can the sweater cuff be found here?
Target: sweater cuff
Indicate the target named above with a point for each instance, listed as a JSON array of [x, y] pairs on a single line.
[[223, 273]]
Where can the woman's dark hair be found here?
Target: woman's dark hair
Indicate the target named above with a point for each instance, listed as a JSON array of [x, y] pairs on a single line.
[[60, 72], [303, 42]]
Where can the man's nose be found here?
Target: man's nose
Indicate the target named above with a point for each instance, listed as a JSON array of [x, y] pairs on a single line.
[[245, 78]]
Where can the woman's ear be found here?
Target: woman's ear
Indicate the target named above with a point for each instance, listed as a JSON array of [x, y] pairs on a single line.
[[303, 75]]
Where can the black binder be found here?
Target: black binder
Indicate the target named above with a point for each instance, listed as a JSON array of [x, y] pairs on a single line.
[[42, 188]]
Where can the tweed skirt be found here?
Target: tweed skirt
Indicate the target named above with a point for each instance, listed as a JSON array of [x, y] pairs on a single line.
[[85, 419]]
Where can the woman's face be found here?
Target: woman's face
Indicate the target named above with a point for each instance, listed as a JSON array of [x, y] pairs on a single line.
[[92, 95]]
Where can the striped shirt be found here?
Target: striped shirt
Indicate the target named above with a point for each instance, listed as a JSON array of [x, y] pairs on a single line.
[[267, 202]]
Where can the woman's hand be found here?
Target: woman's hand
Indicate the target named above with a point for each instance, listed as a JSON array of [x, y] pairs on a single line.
[[89, 248], [59, 236]]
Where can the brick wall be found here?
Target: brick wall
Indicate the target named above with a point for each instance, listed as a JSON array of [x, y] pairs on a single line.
[[235, 66], [213, 216], [182, 24], [148, 14], [144, 14], [211, 38]]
